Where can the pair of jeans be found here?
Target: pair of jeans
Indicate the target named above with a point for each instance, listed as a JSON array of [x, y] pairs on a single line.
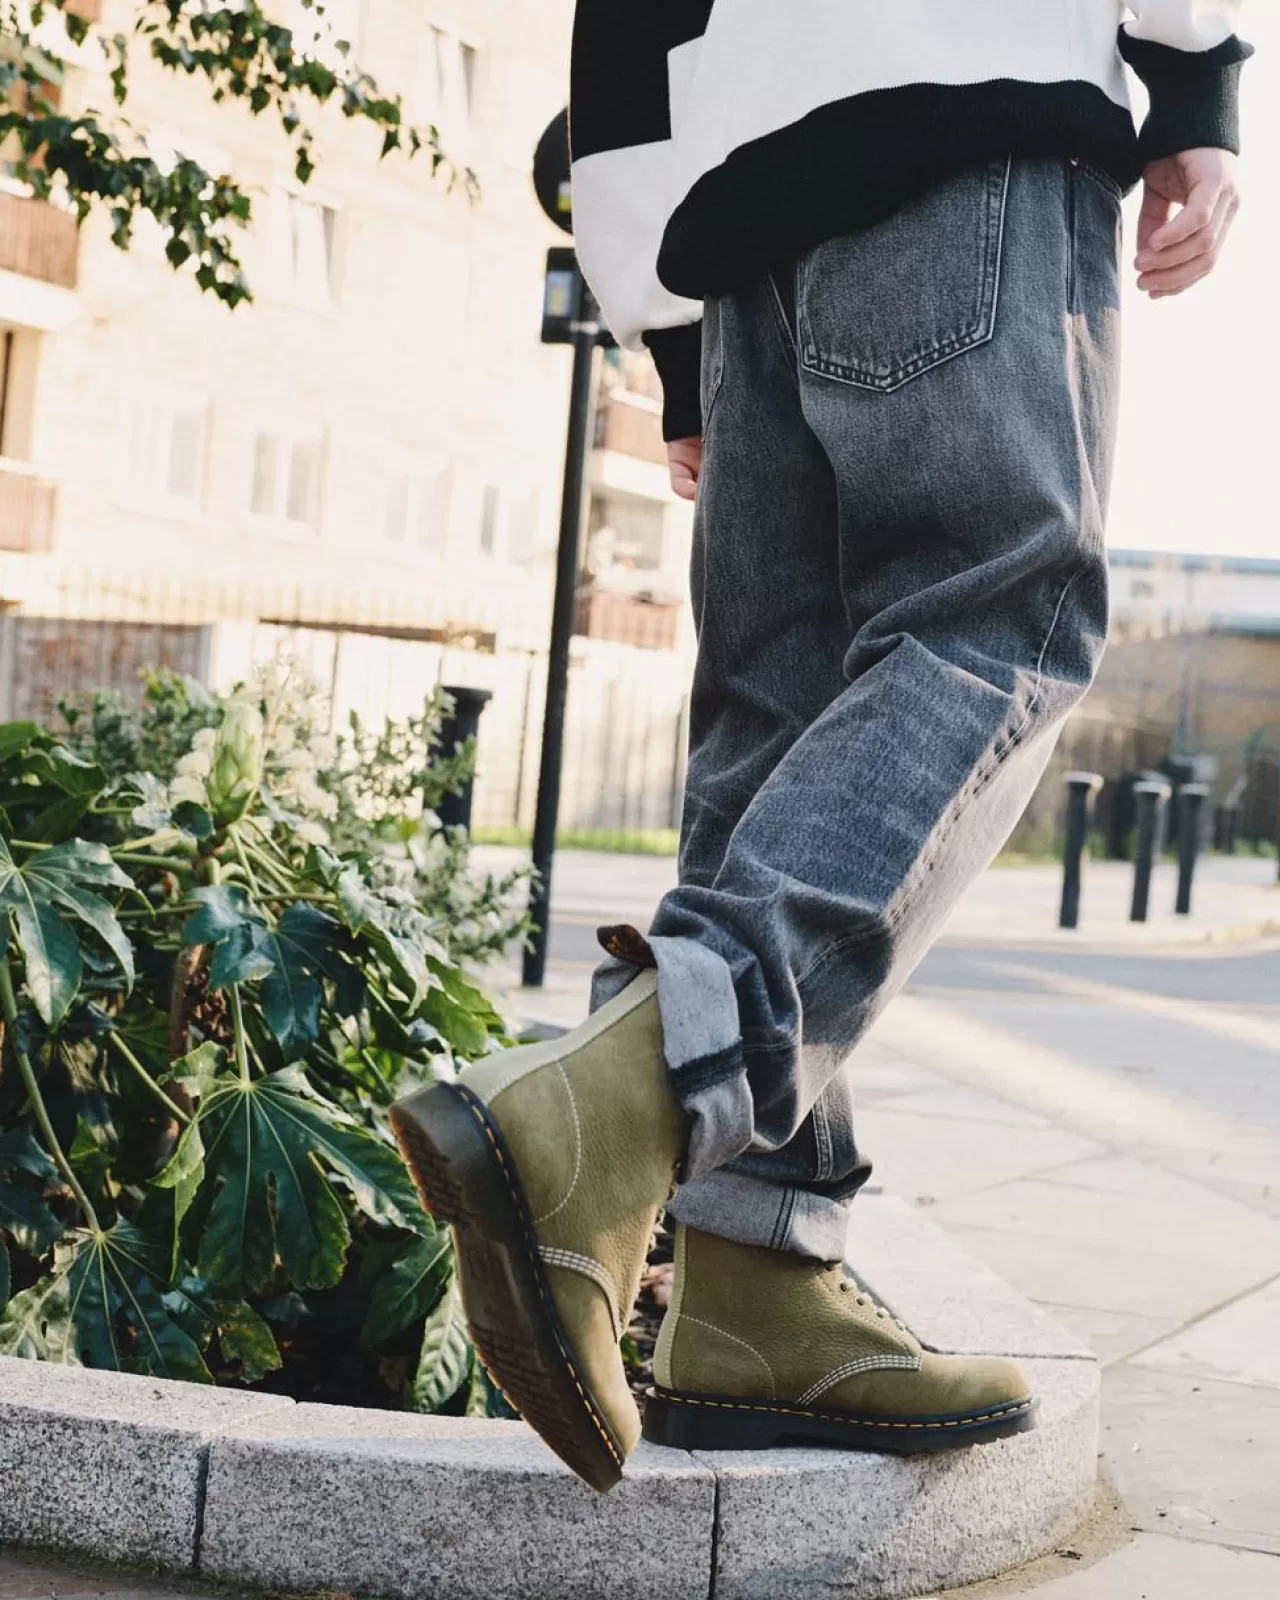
[[900, 586]]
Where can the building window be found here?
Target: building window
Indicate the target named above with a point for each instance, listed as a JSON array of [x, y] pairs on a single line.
[[417, 509], [165, 457], [287, 471], [490, 512], [448, 83], [298, 249]]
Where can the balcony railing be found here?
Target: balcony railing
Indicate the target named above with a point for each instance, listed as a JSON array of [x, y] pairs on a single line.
[[27, 505], [37, 240]]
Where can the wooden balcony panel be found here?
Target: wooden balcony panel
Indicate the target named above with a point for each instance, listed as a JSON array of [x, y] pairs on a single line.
[[627, 619], [37, 240], [27, 505], [632, 431]]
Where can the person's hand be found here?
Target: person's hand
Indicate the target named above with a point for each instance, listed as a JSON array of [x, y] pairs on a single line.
[[1188, 207], [684, 457]]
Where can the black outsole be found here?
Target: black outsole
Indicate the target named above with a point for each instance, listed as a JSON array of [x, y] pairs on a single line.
[[717, 1422], [466, 1178]]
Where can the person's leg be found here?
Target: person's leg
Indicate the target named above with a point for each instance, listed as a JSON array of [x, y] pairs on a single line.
[[957, 365], [969, 511]]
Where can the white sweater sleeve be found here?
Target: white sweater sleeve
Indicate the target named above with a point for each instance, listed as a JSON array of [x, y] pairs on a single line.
[[1189, 25]]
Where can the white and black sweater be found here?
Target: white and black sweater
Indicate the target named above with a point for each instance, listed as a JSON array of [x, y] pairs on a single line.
[[713, 139]]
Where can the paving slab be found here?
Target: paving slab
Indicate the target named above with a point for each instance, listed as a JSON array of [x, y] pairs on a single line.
[[950, 1299], [1240, 1344], [1156, 1568], [803, 1522], [465, 1510], [1111, 1335], [925, 1157], [1193, 1226], [1194, 1457], [109, 1464], [1109, 1276]]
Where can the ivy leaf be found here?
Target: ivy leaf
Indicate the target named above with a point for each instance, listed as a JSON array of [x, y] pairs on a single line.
[[408, 1288], [103, 1306], [445, 1362], [269, 1145], [56, 888]]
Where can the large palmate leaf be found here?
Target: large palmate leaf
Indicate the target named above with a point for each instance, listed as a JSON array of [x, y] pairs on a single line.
[[408, 1289], [48, 896], [24, 1215], [44, 786], [267, 1146], [103, 1306], [447, 1356], [290, 959]]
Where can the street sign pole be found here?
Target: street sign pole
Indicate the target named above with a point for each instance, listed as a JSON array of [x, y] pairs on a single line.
[[586, 333]]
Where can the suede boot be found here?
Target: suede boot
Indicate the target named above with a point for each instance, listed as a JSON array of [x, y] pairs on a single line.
[[761, 1348], [551, 1162]]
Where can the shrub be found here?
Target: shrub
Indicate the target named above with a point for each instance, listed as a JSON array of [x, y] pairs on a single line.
[[228, 943]]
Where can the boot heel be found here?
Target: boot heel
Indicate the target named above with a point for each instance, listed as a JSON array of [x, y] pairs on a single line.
[[439, 1140], [692, 1424]]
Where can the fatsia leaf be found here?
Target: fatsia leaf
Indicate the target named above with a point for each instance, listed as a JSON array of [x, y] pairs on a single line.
[[445, 1362], [246, 1341], [20, 1151], [15, 737], [268, 1146], [4, 1275], [25, 1216], [47, 895], [103, 1306], [408, 1288]]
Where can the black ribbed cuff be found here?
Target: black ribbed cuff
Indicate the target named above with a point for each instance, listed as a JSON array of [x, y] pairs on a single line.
[[1195, 96], [677, 354]]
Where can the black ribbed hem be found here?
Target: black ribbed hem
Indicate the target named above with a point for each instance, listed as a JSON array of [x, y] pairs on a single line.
[[677, 354], [1195, 97], [854, 162]]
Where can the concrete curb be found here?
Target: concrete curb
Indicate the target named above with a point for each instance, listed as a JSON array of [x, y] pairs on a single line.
[[257, 1490]]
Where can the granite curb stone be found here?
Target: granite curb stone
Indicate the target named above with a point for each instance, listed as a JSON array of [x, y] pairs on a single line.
[[107, 1464], [464, 1509], [808, 1522], [255, 1490]]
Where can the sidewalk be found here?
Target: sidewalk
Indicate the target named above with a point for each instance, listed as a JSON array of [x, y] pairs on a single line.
[[1236, 897]]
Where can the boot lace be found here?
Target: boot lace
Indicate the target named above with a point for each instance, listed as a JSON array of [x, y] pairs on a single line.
[[863, 1296]]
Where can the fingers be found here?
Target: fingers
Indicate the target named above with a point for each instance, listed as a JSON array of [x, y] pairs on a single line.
[[684, 456], [1191, 258], [683, 481], [1156, 211], [1195, 216]]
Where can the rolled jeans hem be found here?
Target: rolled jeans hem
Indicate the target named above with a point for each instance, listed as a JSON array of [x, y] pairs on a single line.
[[773, 1216]]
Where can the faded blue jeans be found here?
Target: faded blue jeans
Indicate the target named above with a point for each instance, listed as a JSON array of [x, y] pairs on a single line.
[[899, 580]]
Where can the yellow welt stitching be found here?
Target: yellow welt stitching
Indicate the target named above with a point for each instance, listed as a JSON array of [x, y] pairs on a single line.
[[587, 1401], [853, 1422]]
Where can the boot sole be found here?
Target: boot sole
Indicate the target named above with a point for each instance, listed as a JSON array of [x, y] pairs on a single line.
[[467, 1178], [712, 1422]]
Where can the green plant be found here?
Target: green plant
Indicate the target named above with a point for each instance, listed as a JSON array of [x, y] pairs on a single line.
[[207, 1004], [240, 53]]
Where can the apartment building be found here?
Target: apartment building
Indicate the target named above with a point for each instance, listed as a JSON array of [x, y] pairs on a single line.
[[378, 440]]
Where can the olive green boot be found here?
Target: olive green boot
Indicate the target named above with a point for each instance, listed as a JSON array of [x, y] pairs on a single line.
[[551, 1162], [761, 1348]]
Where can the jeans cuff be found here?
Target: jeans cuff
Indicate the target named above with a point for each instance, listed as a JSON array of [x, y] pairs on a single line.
[[702, 1041], [773, 1216]]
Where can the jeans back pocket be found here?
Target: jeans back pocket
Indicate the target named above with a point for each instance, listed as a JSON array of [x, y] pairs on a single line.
[[883, 305]]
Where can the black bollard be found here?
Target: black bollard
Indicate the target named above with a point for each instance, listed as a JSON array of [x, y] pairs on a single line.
[[459, 726], [1191, 799], [1152, 797], [1081, 788]]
